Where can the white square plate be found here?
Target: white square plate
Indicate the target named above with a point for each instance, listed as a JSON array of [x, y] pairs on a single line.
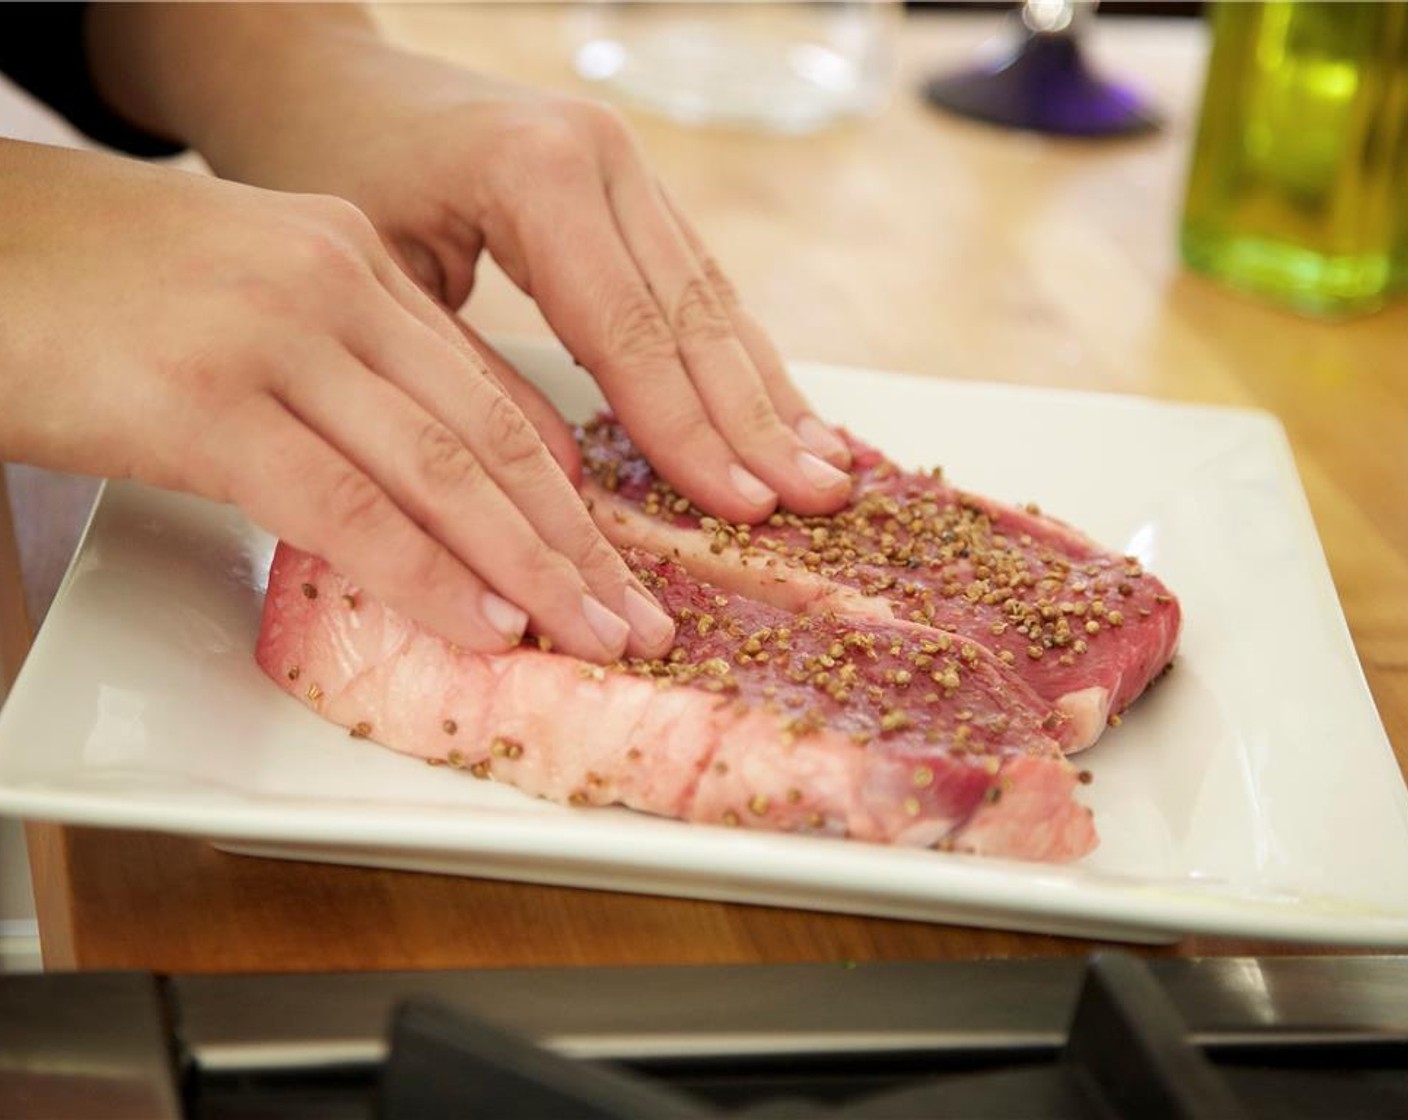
[[1253, 793]]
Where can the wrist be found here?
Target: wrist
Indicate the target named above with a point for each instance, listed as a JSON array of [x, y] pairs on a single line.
[[214, 76]]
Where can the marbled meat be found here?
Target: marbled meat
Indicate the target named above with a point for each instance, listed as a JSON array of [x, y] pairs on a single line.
[[762, 718], [1088, 630]]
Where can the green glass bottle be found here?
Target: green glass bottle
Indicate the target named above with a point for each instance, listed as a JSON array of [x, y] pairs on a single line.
[[1298, 179]]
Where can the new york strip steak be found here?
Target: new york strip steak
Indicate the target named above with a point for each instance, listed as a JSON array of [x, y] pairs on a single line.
[[1086, 629], [759, 717]]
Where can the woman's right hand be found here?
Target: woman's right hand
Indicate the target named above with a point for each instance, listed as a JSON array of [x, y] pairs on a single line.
[[264, 349]]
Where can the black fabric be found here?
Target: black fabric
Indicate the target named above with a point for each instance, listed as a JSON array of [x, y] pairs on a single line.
[[42, 50]]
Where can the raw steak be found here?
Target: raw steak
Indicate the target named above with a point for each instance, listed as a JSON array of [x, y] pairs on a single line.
[[758, 718], [1088, 630]]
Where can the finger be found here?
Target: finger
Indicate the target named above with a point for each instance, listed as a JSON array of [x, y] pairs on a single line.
[[298, 487], [448, 381], [446, 276], [552, 428], [791, 405], [596, 302], [441, 484], [718, 363], [425, 272], [423, 267]]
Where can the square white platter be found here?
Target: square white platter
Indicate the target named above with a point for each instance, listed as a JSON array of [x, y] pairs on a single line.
[[1252, 793]]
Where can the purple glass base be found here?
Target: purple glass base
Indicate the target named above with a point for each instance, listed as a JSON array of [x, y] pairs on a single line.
[[1045, 86]]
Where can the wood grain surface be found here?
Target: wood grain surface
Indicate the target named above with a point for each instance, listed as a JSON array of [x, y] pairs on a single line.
[[916, 242]]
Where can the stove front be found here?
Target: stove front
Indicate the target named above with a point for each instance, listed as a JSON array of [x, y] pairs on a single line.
[[1115, 1036]]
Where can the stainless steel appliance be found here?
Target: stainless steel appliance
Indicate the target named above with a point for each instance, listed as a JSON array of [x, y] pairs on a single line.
[[1112, 1037]]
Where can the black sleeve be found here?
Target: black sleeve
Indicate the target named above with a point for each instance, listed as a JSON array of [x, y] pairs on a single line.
[[42, 49]]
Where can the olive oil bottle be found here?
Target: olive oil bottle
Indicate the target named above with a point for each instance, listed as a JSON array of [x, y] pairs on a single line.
[[1298, 189]]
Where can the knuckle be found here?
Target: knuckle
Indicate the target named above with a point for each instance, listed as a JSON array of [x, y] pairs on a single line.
[[355, 504], [512, 439], [320, 255], [604, 121], [638, 331], [202, 371], [336, 242], [700, 315], [594, 112], [431, 569], [543, 569], [545, 145], [722, 285], [444, 462], [757, 417], [345, 217], [595, 553], [692, 433]]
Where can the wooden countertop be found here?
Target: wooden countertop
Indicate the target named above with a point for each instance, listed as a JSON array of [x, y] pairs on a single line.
[[915, 242]]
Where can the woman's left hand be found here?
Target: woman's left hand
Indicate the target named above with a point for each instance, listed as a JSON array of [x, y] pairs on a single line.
[[447, 164]]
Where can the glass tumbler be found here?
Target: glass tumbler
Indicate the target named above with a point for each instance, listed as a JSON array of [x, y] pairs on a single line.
[[1300, 170], [779, 67]]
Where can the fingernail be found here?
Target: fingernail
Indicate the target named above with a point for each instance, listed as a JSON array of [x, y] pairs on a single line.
[[609, 629], [503, 616], [651, 624], [750, 487], [823, 440], [820, 473]]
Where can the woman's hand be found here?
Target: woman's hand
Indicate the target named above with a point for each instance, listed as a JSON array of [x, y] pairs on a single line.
[[264, 349], [446, 164]]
